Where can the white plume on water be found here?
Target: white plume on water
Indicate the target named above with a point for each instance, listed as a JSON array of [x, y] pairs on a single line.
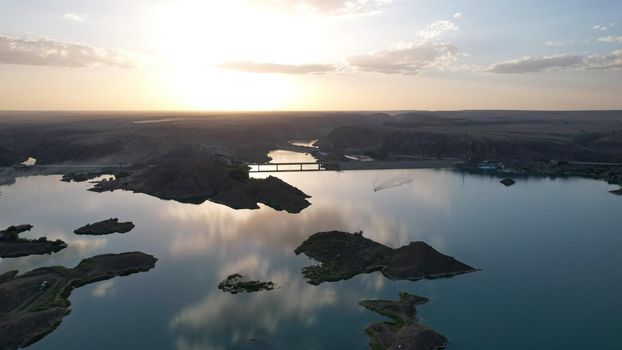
[[393, 181]]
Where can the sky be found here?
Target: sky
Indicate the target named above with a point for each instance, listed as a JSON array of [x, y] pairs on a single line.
[[310, 54]]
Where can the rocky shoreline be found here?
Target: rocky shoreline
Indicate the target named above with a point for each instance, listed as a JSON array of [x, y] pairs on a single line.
[[612, 173]]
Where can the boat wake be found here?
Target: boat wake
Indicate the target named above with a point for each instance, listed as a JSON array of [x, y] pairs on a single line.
[[391, 182]]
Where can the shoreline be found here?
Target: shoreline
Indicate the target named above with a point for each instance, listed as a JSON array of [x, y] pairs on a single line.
[[397, 164]]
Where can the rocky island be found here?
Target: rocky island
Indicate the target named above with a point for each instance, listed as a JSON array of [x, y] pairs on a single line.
[[404, 332], [11, 246], [195, 179], [105, 227], [343, 255], [237, 283], [33, 304]]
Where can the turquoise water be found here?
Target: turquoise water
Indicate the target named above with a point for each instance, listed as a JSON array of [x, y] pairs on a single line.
[[549, 251]]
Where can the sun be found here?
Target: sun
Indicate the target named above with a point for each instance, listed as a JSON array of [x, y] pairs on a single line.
[[214, 89], [195, 36]]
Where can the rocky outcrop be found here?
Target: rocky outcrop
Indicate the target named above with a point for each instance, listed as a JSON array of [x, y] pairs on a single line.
[[237, 283], [105, 227], [11, 246], [33, 304], [80, 176], [344, 255], [271, 191], [507, 182], [404, 332]]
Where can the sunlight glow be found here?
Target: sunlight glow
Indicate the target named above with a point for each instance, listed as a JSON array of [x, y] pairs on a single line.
[[198, 35]]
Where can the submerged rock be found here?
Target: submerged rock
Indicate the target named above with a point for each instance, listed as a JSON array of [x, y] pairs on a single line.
[[11, 246], [508, 182], [105, 227], [404, 332], [33, 304], [237, 283], [343, 255]]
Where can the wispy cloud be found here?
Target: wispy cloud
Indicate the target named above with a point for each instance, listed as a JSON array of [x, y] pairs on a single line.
[[554, 43], [611, 39], [536, 64], [76, 17], [438, 28], [401, 58], [566, 61], [330, 7], [262, 67], [414, 56], [406, 58], [604, 27], [458, 15], [48, 52], [609, 61]]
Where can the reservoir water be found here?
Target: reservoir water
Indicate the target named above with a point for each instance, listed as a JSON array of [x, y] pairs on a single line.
[[548, 250]]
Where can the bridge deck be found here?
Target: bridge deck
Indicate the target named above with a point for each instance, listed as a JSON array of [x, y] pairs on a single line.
[[285, 167]]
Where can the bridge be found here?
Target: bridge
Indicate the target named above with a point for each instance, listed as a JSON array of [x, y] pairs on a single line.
[[350, 165], [285, 167]]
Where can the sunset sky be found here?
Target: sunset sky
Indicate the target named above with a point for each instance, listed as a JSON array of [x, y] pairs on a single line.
[[310, 54]]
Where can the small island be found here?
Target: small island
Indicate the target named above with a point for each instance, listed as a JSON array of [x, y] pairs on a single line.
[[12, 246], [105, 227], [404, 332], [343, 255], [33, 304], [237, 283]]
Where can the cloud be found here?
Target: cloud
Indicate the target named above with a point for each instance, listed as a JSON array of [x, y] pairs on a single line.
[[604, 27], [554, 43], [438, 28], [536, 64], [262, 67], [75, 17], [47, 52], [612, 61], [330, 7], [458, 15], [412, 57], [406, 58], [611, 39]]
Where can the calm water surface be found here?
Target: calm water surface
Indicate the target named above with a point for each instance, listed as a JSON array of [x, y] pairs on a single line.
[[549, 251]]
